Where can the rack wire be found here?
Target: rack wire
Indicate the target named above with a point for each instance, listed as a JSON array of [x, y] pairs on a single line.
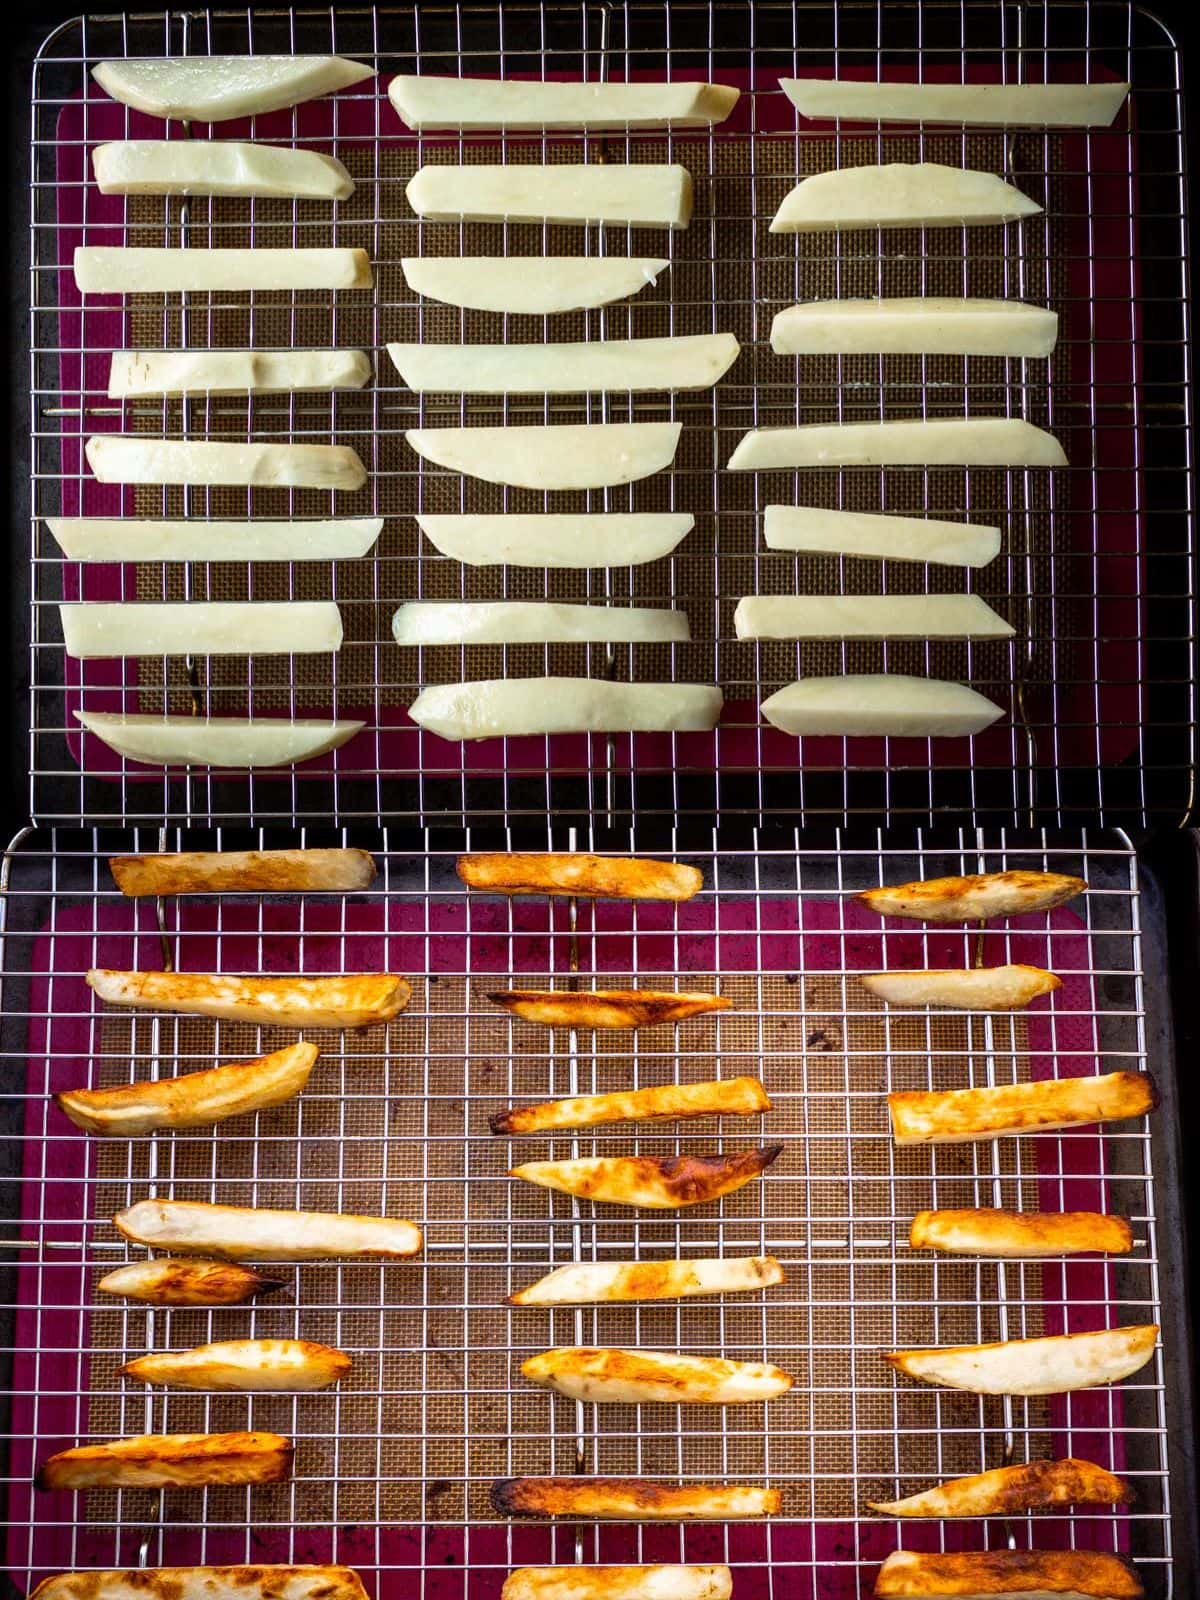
[[1097, 572]]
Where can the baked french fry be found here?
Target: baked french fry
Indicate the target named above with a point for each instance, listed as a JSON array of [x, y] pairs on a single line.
[[1020, 1233], [231, 871], [593, 877], [659, 1183], [629, 1499], [1011, 1489], [583, 1282], [636, 1377], [349, 1000], [249, 1233], [206, 1583], [963, 988], [1056, 1365], [243, 1364], [955, 1116], [606, 1008], [1021, 1574], [618, 1583], [170, 1460], [975, 897], [168, 1282], [740, 1097]]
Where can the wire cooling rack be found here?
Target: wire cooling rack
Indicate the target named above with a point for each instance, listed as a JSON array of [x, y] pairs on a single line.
[[1097, 570], [393, 1468]]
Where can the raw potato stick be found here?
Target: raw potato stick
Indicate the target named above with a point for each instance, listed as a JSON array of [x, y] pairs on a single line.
[[879, 705], [1056, 1365], [658, 1183], [245, 1365], [696, 361], [618, 1583], [899, 195], [927, 325], [227, 871], [813, 530], [530, 285], [1015, 1574], [868, 616], [154, 269], [497, 707], [100, 630], [607, 1008], [218, 88], [168, 1282], [629, 1499], [945, 441], [583, 455], [217, 741], [975, 897], [1045, 105], [170, 1460], [1020, 1233], [955, 1116], [428, 101], [250, 1233], [544, 539], [116, 458], [463, 622], [963, 989], [349, 1000], [637, 1377], [639, 196], [1006, 1490], [573, 873], [586, 1282], [206, 1583], [218, 167], [730, 1097], [131, 539], [176, 372]]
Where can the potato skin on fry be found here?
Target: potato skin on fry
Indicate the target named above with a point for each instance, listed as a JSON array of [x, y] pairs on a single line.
[[728, 1097], [585, 1282], [243, 1364], [974, 897], [606, 1008], [348, 1000], [1009, 988], [1069, 1482], [618, 1583], [635, 1377], [162, 1460], [249, 1233], [592, 877], [206, 1583], [922, 1575], [661, 1183], [1059, 1364], [168, 1282], [1020, 1233], [632, 1499], [220, 871], [954, 1115]]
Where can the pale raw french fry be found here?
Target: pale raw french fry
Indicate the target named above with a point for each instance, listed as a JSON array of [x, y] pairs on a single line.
[[459, 622], [1006, 1490], [607, 1008], [925, 325], [657, 1183], [815, 531], [131, 458], [695, 361], [922, 194], [225, 871], [132, 539], [629, 1500], [217, 741], [217, 88], [249, 1365], [637, 1377], [205, 1583], [963, 988], [176, 372], [974, 897], [193, 1100], [165, 1281], [170, 1460], [880, 705], [428, 101], [644, 195], [494, 707], [546, 539], [576, 873], [941, 441], [1039, 105], [349, 1000], [956, 1116], [570, 455], [530, 285], [1007, 1575], [618, 1583], [1056, 1365], [101, 629], [740, 1097], [156, 269], [250, 1233], [983, 1232], [588, 1282], [218, 166], [868, 616]]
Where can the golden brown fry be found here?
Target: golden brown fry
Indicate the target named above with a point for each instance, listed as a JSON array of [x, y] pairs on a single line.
[[1029, 1574], [220, 871], [193, 1100], [738, 1097], [176, 1460], [963, 988], [954, 1116], [167, 1282], [1011, 1489], [629, 1499], [1059, 1364], [582, 1282], [243, 1364], [618, 1583], [350, 1000], [206, 1583], [658, 1183], [592, 877], [636, 1377], [975, 897], [1020, 1233], [606, 1008], [249, 1233]]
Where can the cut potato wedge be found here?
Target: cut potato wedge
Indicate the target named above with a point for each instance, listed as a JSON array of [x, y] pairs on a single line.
[[924, 194], [218, 166], [349, 1000], [1020, 1233], [248, 1365], [586, 455], [696, 361], [430, 622], [618, 1583], [117, 458], [175, 372], [130, 539], [656, 1183], [99, 630], [588, 1282], [227, 871], [530, 285], [607, 1008], [578, 874], [880, 705], [949, 441], [542, 539], [218, 88], [121, 269], [216, 741], [170, 1460], [739, 1097], [493, 708], [641, 196], [206, 1583], [193, 1100], [1037, 105], [1057, 1365], [1011, 1489], [956, 1116], [1007, 1575], [250, 1233], [167, 1282], [868, 616], [926, 325], [638, 1377], [974, 897], [963, 988], [426, 101], [629, 1500], [815, 531]]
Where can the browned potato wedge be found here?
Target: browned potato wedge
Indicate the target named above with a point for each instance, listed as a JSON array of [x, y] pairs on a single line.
[[1056, 1365], [635, 1377], [582, 1282], [351, 1000], [628, 1499], [1020, 1233], [243, 1364], [249, 1233], [170, 1460], [593, 877], [206, 1583], [618, 1583], [606, 1008], [1021, 1574], [219, 871], [955, 1116], [1009, 1489], [973, 898], [738, 1097], [166, 1282], [963, 988], [658, 1183], [193, 1100]]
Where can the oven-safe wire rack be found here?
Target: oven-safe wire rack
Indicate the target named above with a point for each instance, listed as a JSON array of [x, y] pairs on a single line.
[[1097, 569], [392, 1468]]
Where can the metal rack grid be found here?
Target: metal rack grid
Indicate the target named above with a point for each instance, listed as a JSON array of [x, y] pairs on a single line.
[[392, 1469], [1098, 570]]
